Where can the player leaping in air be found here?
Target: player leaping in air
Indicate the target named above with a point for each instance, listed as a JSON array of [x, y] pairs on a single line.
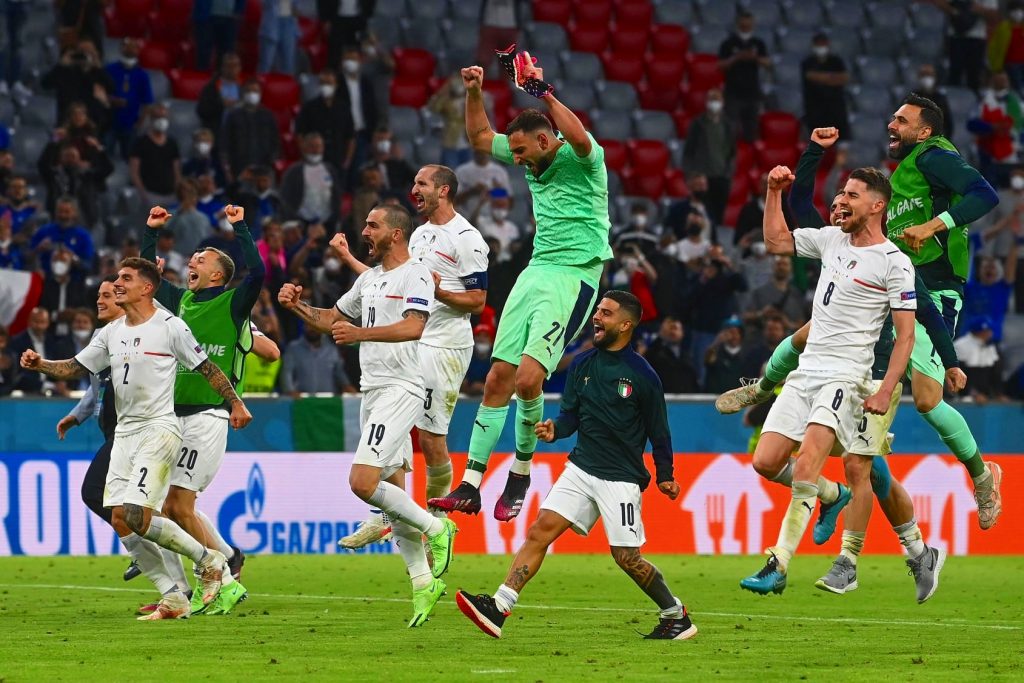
[[554, 295]]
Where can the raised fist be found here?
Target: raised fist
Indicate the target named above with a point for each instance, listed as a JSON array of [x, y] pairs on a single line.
[[826, 137], [234, 213], [780, 178], [290, 295], [158, 216], [473, 78]]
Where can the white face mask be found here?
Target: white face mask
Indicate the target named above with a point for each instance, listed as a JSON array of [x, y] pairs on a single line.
[[82, 335], [161, 125], [640, 220], [820, 51], [499, 214], [252, 98], [1017, 182], [745, 35], [350, 66], [327, 91], [482, 348], [1017, 16], [203, 148], [60, 268], [129, 62], [314, 158], [384, 146], [715, 106], [927, 82], [332, 265], [205, 199], [758, 249]]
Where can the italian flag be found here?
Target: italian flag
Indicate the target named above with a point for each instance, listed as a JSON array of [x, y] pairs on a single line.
[[19, 294]]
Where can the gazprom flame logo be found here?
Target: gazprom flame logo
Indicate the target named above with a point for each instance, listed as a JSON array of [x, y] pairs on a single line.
[[255, 491]]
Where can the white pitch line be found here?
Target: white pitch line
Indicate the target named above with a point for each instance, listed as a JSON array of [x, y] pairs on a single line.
[[565, 608]]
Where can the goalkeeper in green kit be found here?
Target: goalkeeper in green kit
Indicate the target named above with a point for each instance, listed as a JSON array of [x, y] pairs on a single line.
[[553, 297]]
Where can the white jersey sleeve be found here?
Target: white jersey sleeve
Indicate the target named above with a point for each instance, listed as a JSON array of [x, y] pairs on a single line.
[[184, 347], [96, 356], [419, 288], [350, 304], [900, 283], [810, 242], [473, 251]]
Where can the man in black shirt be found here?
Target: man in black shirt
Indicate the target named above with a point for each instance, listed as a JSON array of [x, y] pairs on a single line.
[[614, 401], [671, 360], [154, 161], [825, 78], [741, 57]]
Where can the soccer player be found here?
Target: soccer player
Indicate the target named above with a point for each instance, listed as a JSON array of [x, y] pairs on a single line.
[[219, 318], [456, 255], [615, 402], [393, 300], [143, 350], [554, 295], [863, 277]]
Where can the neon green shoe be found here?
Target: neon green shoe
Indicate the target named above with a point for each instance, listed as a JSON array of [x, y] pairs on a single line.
[[197, 600], [442, 545], [423, 601], [226, 600]]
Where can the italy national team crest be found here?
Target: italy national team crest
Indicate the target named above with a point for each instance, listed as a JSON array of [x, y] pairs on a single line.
[[625, 388]]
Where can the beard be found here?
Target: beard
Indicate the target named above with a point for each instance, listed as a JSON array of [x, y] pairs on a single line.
[[607, 339], [905, 147]]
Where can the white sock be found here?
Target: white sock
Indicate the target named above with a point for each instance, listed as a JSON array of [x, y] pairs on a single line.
[[910, 537], [410, 545], [785, 476], [173, 566], [794, 524], [401, 508], [828, 491], [520, 466], [853, 543], [473, 478], [505, 598], [166, 534], [218, 540], [439, 483], [983, 480], [672, 612], [151, 563]]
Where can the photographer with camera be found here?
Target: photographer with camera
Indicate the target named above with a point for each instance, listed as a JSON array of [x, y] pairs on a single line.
[[79, 76]]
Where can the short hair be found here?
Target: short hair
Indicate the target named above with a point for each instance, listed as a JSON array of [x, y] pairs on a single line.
[[146, 269], [110, 278], [875, 180], [252, 81], [312, 135], [529, 121], [396, 217], [931, 113], [446, 176], [627, 302], [227, 265], [67, 199]]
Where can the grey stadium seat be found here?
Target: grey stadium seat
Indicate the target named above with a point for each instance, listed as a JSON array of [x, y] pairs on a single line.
[[803, 13], [580, 66], [846, 44], [795, 40], [886, 41], [428, 10], [786, 67], [928, 18], [654, 125], [611, 124], [868, 130], [40, 110], [428, 150], [677, 12], [717, 13], [391, 8], [872, 102], [577, 95], [425, 35], [405, 121], [845, 15], [613, 95], [708, 38], [878, 72], [551, 36], [469, 11], [160, 83], [27, 144], [387, 30], [461, 36], [767, 13], [182, 114]]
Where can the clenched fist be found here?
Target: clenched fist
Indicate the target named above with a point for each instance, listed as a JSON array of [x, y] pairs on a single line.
[[780, 178], [290, 295], [234, 213], [158, 216]]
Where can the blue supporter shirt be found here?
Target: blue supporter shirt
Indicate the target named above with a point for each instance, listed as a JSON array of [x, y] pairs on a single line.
[[134, 86], [76, 238]]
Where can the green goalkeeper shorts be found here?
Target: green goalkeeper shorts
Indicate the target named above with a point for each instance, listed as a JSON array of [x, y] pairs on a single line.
[[547, 309], [924, 358]]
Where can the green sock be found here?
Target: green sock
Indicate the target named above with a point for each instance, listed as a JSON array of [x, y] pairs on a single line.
[[953, 430], [529, 411], [486, 432], [784, 360]]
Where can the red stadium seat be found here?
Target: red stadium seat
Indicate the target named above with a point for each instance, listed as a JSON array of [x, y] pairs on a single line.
[[629, 40], [634, 13], [289, 146], [732, 213], [592, 12], [187, 50], [284, 119], [780, 129], [252, 16], [694, 101], [746, 157], [310, 31], [585, 38], [664, 71], [669, 39], [584, 118], [616, 154], [409, 92], [702, 71], [739, 191], [645, 185], [414, 63], [682, 119], [770, 157], [659, 99], [554, 11], [127, 8], [620, 66], [179, 6], [169, 25], [317, 53], [280, 166], [675, 183], [280, 91], [160, 55], [499, 92], [123, 25], [249, 52], [648, 156], [186, 83]]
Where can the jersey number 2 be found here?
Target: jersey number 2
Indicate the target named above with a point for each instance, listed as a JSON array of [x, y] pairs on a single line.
[[125, 380]]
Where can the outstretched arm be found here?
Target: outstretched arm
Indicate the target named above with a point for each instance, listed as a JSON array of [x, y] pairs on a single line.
[[319, 318], [801, 194], [903, 321], [570, 126], [478, 128], [409, 328], [168, 295], [57, 369], [777, 237]]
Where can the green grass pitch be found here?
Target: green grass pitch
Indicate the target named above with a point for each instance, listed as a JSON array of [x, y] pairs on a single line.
[[342, 618]]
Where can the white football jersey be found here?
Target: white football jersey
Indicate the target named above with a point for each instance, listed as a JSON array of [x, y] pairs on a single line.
[[458, 253], [381, 298], [857, 288], [143, 361]]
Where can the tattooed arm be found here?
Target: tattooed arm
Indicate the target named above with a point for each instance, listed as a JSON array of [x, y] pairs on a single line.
[[57, 369], [409, 328], [645, 574], [319, 318], [240, 415]]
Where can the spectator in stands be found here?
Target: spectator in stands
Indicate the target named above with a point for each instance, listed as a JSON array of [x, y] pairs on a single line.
[[499, 26], [329, 115], [165, 249], [397, 173], [79, 20], [265, 317], [274, 255], [257, 194], [132, 91], [709, 150], [221, 94], [449, 103], [677, 218], [79, 77], [634, 273], [358, 94], [778, 297], [640, 231], [23, 210], [312, 365], [6, 170], [750, 221], [216, 25], [713, 300], [78, 129], [756, 265], [694, 246], [723, 359], [11, 255], [41, 339], [824, 80], [155, 162], [773, 331], [10, 368], [66, 173], [329, 281], [742, 56], [496, 224], [210, 201], [979, 355], [311, 187], [1006, 45], [14, 14], [995, 232], [927, 87], [476, 179], [967, 30], [278, 35], [669, 358], [65, 231], [997, 124], [988, 293], [250, 134], [190, 227], [60, 291], [203, 160], [367, 195], [480, 362], [345, 21], [307, 254]]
